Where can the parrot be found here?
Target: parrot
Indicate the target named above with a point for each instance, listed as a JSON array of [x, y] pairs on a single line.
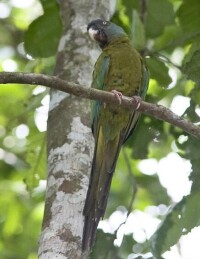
[[121, 70]]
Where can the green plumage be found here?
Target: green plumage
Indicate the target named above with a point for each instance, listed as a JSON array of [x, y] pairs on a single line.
[[119, 67]]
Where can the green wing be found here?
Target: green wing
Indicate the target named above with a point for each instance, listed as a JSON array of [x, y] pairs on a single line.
[[100, 72], [142, 93], [145, 80]]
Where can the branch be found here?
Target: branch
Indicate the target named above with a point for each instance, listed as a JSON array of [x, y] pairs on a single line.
[[143, 10], [154, 110], [134, 189]]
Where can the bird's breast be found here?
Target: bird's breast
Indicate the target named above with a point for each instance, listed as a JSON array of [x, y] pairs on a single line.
[[125, 71]]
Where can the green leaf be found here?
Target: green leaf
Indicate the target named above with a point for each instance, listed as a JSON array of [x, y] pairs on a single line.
[[192, 67], [36, 158], [195, 96], [159, 72], [11, 224], [46, 4], [191, 148], [183, 217], [138, 146], [195, 175], [42, 37], [159, 14], [104, 247], [189, 17], [191, 151], [138, 32], [153, 188], [126, 246], [191, 110], [170, 38], [129, 6]]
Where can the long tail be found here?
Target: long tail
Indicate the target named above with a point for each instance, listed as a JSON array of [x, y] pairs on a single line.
[[103, 166]]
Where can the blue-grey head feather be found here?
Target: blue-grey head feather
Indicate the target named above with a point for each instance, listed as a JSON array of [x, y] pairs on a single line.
[[104, 31]]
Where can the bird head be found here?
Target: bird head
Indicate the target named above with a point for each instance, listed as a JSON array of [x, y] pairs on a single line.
[[104, 32]]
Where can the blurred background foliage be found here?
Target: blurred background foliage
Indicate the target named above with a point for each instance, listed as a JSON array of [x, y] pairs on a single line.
[[156, 182]]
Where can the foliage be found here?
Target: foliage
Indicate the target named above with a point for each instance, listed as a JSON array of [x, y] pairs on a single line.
[[22, 143], [183, 217], [167, 33], [38, 32]]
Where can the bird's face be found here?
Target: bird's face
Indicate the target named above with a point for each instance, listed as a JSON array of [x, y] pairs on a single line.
[[104, 31]]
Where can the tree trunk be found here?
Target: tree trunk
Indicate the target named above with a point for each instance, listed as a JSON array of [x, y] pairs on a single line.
[[69, 138]]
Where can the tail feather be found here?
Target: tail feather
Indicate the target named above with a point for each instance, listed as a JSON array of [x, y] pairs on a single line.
[[89, 232], [103, 166]]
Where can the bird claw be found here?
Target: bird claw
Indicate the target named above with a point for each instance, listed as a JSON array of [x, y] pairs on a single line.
[[137, 100], [118, 95]]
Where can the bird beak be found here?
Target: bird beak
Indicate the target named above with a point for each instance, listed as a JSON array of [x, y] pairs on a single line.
[[92, 32]]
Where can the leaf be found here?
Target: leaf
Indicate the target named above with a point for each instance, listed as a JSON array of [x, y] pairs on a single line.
[[159, 14], [189, 17], [104, 247], [129, 6], [183, 217], [138, 146], [192, 67], [195, 96], [36, 158], [190, 150], [191, 110], [159, 72], [195, 175], [148, 127], [11, 224], [42, 37], [137, 31], [156, 142], [152, 186], [46, 4], [127, 245]]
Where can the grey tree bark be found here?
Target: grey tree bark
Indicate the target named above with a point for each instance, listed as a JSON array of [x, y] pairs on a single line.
[[69, 138]]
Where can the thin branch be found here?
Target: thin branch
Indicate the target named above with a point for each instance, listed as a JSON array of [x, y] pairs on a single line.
[[154, 110], [164, 59], [134, 189], [143, 12], [132, 179]]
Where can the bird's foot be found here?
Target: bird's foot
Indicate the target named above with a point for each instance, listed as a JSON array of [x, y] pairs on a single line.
[[118, 95], [137, 100]]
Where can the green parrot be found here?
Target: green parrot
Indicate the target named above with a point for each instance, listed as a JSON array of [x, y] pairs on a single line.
[[119, 69]]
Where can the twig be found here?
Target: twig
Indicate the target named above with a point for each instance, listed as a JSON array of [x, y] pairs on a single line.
[[134, 184], [164, 59], [143, 8], [157, 111], [134, 188]]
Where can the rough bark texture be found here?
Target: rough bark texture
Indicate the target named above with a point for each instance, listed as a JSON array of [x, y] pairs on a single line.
[[70, 145]]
